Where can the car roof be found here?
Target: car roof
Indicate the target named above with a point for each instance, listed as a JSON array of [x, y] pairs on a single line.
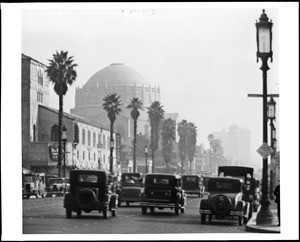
[[225, 178], [234, 170], [88, 172], [163, 175]]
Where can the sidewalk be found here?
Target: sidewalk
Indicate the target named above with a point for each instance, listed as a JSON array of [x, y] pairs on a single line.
[[272, 228]]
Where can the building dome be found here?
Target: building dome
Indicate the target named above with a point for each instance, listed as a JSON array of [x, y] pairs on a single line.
[[116, 74]]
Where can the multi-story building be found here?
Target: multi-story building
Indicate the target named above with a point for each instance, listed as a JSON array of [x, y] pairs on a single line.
[[88, 142], [236, 145]]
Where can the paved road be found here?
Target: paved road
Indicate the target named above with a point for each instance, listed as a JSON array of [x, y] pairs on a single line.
[[47, 216]]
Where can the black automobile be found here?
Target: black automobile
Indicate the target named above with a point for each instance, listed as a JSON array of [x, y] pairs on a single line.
[[163, 191], [191, 185], [250, 185], [130, 189], [90, 190]]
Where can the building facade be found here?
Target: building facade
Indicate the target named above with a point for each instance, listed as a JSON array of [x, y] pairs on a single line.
[[87, 144]]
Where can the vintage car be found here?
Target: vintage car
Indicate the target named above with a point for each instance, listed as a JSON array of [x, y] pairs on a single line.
[[130, 188], [163, 191], [57, 186], [250, 185], [33, 184], [90, 190], [224, 200], [191, 184]]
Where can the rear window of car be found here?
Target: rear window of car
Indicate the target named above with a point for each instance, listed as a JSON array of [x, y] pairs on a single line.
[[88, 178], [190, 179], [219, 185]]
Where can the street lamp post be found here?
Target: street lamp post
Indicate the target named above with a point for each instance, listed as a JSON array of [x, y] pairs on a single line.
[[146, 154], [64, 139], [271, 117], [264, 52]]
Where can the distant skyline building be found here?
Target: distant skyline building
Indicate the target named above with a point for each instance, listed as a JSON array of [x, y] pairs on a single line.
[[236, 144]]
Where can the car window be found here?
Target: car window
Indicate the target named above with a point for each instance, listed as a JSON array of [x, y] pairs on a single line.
[[191, 179], [219, 185], [87, 178], [162, 181]]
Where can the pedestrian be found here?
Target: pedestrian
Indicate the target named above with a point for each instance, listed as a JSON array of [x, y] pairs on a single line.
[[277, 200]]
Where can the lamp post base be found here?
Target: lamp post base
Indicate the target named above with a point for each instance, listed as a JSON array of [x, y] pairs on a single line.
[[265, 215]]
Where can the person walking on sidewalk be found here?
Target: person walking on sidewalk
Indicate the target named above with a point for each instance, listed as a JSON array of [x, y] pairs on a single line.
[[277, 200]]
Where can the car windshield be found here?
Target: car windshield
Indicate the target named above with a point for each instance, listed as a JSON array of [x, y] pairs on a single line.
[[29, 178], [224, 185], [132, 179], [57, 180]]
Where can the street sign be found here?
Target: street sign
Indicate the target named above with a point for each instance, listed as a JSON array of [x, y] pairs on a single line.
[[264, 150]]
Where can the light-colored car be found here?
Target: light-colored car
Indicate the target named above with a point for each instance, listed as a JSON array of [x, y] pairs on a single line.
[[224, 200], [58, 186]]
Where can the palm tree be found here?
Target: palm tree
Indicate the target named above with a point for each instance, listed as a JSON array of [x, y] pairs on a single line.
[[168, 136], [156, 115], [191, 142], [61, 71], [215, 146], [182, 132], [112, 105], [136, 105]]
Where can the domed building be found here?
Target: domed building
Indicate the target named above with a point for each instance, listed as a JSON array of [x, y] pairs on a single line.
[[126, 82]]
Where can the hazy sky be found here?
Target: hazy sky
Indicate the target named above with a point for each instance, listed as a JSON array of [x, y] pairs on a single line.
[[203, 57]]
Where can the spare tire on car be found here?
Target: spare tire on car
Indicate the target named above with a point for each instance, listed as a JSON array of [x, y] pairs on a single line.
[[221, 204], [85, 198]]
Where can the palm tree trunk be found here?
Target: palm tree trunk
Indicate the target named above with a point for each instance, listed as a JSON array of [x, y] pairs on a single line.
[[111, 148], [152, 161], [134, 144], [60, 116]]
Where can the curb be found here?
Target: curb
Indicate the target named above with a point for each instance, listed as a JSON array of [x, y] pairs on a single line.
[[252, 227]]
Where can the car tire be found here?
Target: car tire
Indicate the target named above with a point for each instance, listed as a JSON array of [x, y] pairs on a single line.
[[79, 213], [144, 210], [152, 210], [68, 213], [105, 214], [85, 198], [209, 217], [113, 213], [127, 204], [240, 220], [176, 211], [203, 216], [182, 210], [119, 203], [245, 220]]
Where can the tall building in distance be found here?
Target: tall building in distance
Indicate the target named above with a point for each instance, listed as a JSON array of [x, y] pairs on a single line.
[[236, 145]]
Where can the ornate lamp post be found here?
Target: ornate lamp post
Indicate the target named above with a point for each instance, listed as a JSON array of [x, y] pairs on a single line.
[[271, 117], [264, 52], [64, 139], [146, 154]]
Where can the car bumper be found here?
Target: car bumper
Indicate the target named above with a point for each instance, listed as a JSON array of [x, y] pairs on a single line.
[[231, 213], [158, 205]]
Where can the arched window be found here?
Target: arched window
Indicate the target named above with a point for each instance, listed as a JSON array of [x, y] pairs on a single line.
[[54, 133]]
